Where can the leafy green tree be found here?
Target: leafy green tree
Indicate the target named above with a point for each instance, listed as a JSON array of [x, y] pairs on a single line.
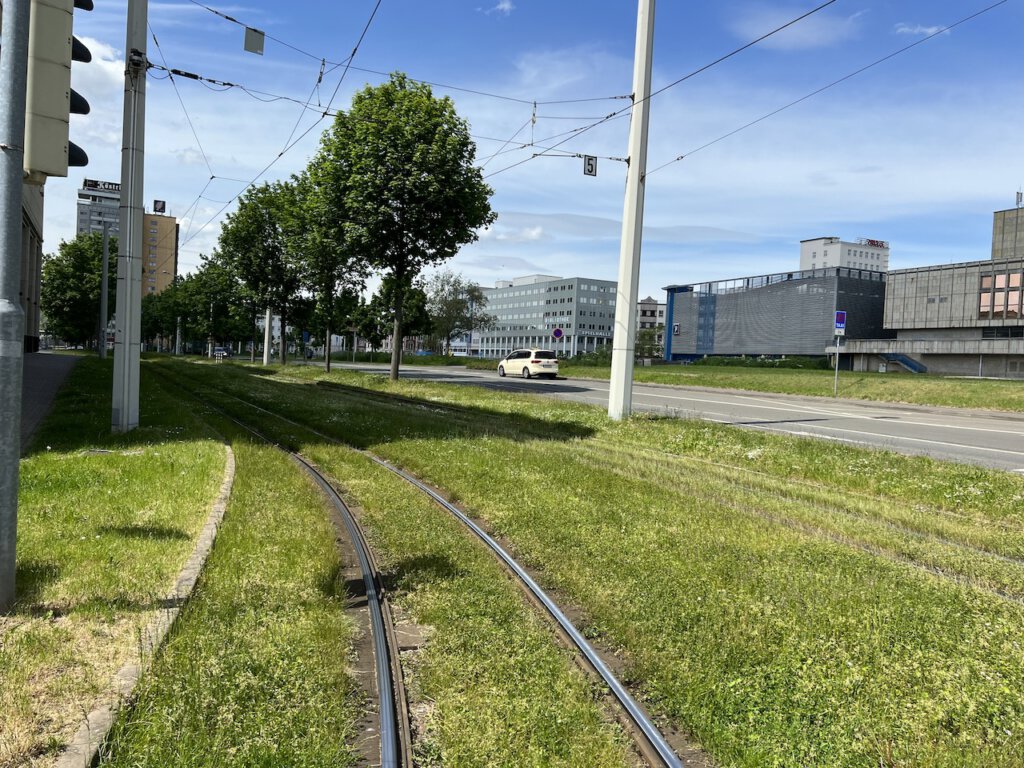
[[255, 249], [647, 342], [316, 228], [414, 195], [377, 318], [70, 291], [456, 307]]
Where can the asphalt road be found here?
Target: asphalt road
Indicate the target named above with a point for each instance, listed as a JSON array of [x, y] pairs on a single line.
[[985, 438]]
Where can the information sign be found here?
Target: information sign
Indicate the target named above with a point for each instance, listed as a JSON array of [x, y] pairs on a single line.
[[589, 165], [840, 322]]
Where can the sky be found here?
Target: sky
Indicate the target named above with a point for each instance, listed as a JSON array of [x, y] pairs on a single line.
[[918, 150]]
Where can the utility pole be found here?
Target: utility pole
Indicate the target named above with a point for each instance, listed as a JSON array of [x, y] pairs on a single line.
[[125, 408], [13, 80], [620, 393]]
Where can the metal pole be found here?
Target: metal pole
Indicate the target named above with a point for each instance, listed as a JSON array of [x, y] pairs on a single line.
[[267, 337], [620, 393], [13, 77], [125, 408], [103, 291], [835, 382]]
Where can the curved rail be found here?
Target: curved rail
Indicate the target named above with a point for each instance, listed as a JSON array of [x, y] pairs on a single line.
[[394, 751], [653, 744]]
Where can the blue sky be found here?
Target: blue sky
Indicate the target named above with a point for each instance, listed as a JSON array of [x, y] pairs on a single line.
[[919, 150]]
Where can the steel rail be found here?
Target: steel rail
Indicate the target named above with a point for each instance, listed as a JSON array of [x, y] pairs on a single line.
[[392, 754], [658, 746], [650, 731]]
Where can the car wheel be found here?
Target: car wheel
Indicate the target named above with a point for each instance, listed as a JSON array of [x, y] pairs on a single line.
[[526, 373], [501, 370]]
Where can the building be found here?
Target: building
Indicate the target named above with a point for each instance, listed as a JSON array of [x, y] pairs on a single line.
[[573, 315], [824, 252], [159, 252], [98, 204], [789, 313], [1008, 234], [31, 262], [958, 319], [650, 315]]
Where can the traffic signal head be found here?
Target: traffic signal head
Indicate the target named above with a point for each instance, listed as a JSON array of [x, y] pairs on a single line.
[[49, 97]]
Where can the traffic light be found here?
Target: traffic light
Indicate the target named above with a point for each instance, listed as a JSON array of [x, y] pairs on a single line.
[[49, 98]]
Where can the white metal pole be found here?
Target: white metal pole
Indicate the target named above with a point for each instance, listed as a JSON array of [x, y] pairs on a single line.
[[267, 337], [125, 410], [13, 78], [620, 393]]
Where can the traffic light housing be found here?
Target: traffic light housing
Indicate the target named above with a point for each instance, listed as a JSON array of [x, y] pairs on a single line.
[[49, 99]]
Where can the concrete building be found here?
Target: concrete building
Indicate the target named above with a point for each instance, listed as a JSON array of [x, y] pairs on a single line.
[[159, 252], [789, 313], [98, 203], [1008, 234], [862, 253], [529, 309], [650, 315], [959, 319], [31, 262]]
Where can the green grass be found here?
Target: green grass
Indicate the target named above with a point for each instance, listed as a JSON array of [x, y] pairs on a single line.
[[104, 524], [256, 672], [791, 602]]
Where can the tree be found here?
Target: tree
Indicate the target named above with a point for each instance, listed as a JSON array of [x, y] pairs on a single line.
[[413, 196], [316, 227], [254, 247], [456, 307], [70, 292], [647, 342], [377, 317]]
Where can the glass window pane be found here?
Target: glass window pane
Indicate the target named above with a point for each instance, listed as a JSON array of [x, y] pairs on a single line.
[[1001, 280], [1013, 304], [986, 282]]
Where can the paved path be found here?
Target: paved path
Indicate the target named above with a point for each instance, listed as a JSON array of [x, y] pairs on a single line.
[[988, 438], [42, 375]]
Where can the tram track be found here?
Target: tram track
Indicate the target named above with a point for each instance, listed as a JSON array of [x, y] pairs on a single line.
[[394, 736], [649, 741]]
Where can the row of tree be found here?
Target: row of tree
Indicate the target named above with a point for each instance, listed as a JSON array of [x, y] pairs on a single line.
[[392, 190]]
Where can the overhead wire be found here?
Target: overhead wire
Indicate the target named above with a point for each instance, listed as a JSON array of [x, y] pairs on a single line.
[[834, 83], [629, 109], [281, 154]]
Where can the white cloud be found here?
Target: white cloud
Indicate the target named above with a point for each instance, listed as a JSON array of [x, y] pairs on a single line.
[[504, 7], [919, 30], [818, 31]]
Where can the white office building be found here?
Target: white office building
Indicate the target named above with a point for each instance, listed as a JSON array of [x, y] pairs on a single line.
[[828, 252], [571, 315], [98, 204]]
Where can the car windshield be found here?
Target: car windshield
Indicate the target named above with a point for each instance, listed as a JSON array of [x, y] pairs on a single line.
[[544, 354]]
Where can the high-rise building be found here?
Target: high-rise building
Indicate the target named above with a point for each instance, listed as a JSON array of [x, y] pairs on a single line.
[[862, 253], [159, 252], [98, 203]]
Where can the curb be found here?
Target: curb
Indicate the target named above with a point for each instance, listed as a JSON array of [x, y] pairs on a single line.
[[83, 749]]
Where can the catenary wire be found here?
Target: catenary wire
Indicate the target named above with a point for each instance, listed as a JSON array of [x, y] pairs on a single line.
[[629, 109], [830, 85], [281, 154]]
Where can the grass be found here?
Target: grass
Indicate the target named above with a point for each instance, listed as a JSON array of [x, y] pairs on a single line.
[[256, 672], [105, 523], [790, 602], [919, 389]]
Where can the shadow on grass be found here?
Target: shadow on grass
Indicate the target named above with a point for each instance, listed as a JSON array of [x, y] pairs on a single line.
[[358, 416], [31, 578], [161, 532], [424, 569]]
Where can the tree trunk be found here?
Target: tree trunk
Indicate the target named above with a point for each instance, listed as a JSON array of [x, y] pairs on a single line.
[[396, 343], [327, 346]]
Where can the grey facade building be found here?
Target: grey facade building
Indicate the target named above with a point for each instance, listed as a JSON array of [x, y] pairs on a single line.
[[98, 204], [571, 315], [1008, 234], [789, 313], [959, 319]]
